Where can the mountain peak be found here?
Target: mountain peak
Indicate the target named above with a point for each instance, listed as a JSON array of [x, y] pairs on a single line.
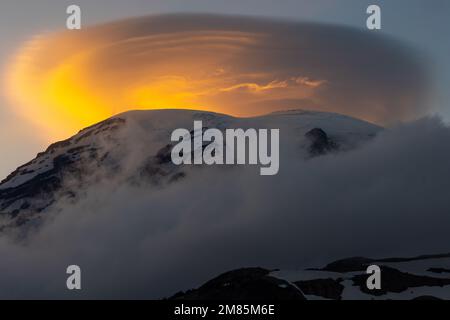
[[128, 148]]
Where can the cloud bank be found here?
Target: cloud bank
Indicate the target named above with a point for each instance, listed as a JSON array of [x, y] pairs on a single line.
[[228, 64], [388, 198]]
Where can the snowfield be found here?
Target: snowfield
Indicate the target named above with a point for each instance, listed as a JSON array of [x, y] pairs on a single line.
[[123, 145]]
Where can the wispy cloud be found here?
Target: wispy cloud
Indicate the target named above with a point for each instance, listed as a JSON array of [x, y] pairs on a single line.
[[256, 87], [276, 84]]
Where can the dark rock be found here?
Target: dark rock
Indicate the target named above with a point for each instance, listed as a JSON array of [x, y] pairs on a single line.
[[257, 283], [244, 284], [320, 143], [75, 162], [361, 263], [326, 288], [25, 205], [77, 149], [57, 145], [106, 125], [15, 173], [393, 280], [164, 155], [422, 257], [348, 265], [438, 270], [26, 171]]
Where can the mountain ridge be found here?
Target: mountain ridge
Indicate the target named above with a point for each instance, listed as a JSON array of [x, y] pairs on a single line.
[[104, 149]]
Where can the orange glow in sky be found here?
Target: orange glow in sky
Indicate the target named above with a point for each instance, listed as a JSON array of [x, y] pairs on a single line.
[[64, 82]]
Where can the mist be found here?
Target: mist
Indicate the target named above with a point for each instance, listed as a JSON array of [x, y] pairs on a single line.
[[386, 198]]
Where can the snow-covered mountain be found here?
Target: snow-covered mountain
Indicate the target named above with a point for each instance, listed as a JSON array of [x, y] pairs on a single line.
[[110, 198], [134, 148]]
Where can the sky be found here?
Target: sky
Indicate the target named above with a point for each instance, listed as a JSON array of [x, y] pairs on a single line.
[[420, 24]]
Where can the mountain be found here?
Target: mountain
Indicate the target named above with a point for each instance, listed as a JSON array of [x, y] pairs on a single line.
[[133, 148], [110, 195], [416, 278]]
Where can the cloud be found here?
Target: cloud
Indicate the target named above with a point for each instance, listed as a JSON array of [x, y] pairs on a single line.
[[309, 82], [276, 84], [256, 87], [69, 80], [387, 198]]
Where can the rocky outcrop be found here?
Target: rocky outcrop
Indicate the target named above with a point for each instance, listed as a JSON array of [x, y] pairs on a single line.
[[243, 284], [395, 281], [325, 288], [35, 186], [320, 143], [342, 279]]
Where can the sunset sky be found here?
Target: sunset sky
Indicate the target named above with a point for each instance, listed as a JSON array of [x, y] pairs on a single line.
[[55, 82]]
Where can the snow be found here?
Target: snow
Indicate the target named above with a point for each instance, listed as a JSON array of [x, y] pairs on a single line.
[[36, 168], [144, 132], [352, 292], [420, 267], [159, 123]]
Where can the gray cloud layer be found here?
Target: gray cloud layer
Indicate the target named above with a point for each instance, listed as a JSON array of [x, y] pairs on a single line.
[[389, 198]]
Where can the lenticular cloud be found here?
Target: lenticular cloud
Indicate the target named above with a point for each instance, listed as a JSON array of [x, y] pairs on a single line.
[[234, 65]]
